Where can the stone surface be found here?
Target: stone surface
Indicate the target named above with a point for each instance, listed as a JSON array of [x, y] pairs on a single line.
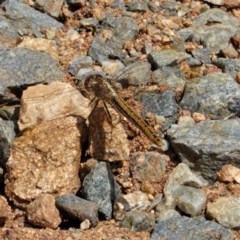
[[149, 166], [207, 145], [21, 67], [26, 19], [184, 228], [5, 211], [190, 200], [138, 221], [99, 186], [109, 41], [229, 173], [47, 159], [78, 63], [78, 208], [108, 140], [53, 8], [226, 211], [7, 134], [181, 176], [132, 201], [219, 88], [42, 212], [48, 102]]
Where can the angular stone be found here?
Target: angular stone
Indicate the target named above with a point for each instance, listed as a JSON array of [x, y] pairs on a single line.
[[138, 221], [22, 67], [229, 173], [53, 8], [5, 211], [218, 88], [149, 166], [99, 186], [108, 139], [184, 228], [208, 145], [42, 212], [48, 102], [78, 208], [47, 159], [226, 210]]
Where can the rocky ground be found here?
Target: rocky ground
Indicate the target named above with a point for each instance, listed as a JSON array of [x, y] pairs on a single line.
[[72, 170]]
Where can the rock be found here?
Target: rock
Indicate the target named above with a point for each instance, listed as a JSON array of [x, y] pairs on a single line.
[[219, 88], [230, 66], [40, 45], [216, 2], [78, 208], [89, 23], [169, 80], [202, 54], [232, 3], [229, 173], [31, 21], [166, 57], [181, 176], [188, 229], [127, 202], [135, 74], [190, 200], [7, 135], [149, 166], [109, 42], [47, 159], [108, 140], [167, 214], [42, 212], [48, 102], [138, 221], [207, 145], [209, 24], [100, 187], [162, 104], [5, 211], [22, 67], [78, 63], [137, 7], [53, 8], [112, 66], [226, 211]]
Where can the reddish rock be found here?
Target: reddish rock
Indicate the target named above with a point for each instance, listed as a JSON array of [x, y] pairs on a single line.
[[45, 159], [43, 213], [229, 173], [5, 210]]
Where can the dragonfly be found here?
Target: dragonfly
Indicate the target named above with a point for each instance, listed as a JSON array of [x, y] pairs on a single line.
[[103, 90]]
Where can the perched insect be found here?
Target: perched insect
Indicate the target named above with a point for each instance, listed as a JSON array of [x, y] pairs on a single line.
[[103, 90]]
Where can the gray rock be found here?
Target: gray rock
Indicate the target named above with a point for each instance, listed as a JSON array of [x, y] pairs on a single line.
[[174, 8], [21, 67], [135, 74], [89, 22], [7, 28], [184, 228], [212, 95], [149, 166], [208, 145], [78, 208], [10, 112], [181, 176], [26, 19], [162, 104], [226, 211], [190, 200], [214, 28], [53, 8], [78, 63], [100, 187], [166, 57], [166, 214], [230, 66], [122, 28], [216, 2], [138, 221], [202, 54], [7, 134], [137, 7]]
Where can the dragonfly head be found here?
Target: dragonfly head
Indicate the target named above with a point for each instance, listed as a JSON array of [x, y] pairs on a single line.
[[93, 82]]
